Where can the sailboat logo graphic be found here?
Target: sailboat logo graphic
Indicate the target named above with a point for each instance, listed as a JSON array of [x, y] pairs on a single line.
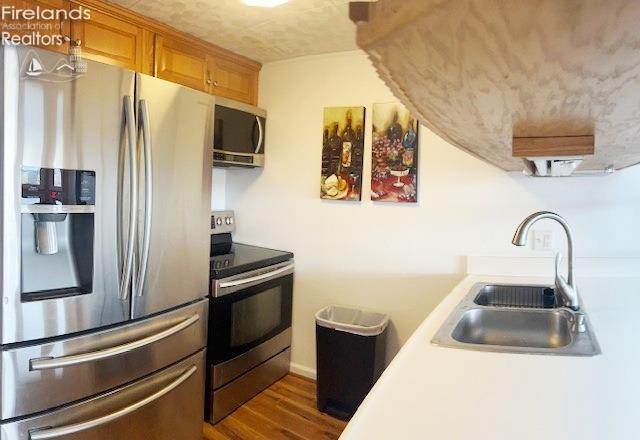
[[35, 68], [64, 69]]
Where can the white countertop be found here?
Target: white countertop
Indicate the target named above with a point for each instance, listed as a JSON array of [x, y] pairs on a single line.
[[431, 392]]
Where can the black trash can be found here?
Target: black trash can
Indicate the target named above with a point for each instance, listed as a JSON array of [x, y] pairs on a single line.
[[350, 354]]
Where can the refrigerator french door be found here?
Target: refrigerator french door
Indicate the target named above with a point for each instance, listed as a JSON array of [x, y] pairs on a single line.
[[175, 195], [54, 122]]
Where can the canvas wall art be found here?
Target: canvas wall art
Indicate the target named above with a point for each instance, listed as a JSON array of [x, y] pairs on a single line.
[[342, 153], [394, 166]]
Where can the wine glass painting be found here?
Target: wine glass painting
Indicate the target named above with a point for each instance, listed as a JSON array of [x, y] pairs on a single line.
[[342, 153], [394, 166]]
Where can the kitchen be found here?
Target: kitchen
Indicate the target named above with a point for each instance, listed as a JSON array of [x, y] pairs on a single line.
[[126, 327]]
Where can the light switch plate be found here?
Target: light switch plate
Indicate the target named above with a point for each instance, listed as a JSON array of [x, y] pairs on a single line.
[[542, 240]]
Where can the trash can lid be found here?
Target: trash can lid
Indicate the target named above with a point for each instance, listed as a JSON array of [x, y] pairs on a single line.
[[358, 322]]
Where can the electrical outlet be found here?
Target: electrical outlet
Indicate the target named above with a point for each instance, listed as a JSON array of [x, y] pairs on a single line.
[[542, 240]]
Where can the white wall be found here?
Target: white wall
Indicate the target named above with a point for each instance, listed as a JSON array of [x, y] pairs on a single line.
[[400, 259], [218, 189]]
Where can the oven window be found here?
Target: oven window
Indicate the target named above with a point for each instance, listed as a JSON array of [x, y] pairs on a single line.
[[256, 316], [244, 319]]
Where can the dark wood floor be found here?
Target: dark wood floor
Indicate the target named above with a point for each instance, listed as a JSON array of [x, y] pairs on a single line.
[[285, 410]]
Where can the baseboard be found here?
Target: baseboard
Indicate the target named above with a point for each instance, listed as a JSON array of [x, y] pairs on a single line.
[[302, 370]]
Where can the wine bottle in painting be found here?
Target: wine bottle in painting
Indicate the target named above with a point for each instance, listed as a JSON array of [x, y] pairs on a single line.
[[326, 157], [409, 141], [357, 151], [348, 139], [335, 151]]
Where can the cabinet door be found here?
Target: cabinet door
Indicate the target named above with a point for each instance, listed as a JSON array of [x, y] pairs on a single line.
[[181, 63], [233, 80], [111, 40], [47, 29]]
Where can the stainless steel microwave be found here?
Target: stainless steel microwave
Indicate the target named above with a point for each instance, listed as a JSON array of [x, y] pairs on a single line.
[[239, 133]]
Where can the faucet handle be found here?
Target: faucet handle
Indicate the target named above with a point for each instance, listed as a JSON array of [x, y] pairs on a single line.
[[580, 322]]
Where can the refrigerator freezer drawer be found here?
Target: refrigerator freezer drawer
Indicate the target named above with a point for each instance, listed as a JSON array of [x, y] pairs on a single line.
[[164, 406], [39, 377]]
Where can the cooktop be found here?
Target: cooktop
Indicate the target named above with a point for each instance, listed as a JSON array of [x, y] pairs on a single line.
[[243, 258]]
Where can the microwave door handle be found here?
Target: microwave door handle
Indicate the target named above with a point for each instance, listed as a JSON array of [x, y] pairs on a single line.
[[49, 433], [262, 277], [148, 196], [127, 265], [260, 135]]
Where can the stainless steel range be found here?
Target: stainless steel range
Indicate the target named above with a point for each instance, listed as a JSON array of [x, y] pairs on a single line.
[[250, 318], [104, 277]]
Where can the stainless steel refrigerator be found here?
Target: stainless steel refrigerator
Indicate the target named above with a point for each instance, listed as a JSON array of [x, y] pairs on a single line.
[[106, 186]]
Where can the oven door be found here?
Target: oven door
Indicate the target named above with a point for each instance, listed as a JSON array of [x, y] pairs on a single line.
[[250, 320]]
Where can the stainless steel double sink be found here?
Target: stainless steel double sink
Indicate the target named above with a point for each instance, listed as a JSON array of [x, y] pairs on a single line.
[[518, 319]]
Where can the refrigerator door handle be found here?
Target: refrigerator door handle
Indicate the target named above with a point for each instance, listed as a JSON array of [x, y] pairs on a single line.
[[148, 197], [260, 135], [127, 266], [49, 433], [66, 361]]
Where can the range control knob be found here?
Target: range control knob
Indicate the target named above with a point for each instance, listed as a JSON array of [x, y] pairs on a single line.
[[228, 220], [219, 221]]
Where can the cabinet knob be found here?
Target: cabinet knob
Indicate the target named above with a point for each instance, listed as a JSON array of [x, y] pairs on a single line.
[[215, 83], [209, 81], [70, 41]]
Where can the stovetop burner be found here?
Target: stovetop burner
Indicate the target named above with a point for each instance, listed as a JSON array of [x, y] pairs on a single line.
[[229, 258]]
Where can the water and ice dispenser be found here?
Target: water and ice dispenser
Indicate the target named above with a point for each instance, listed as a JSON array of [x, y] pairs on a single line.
[[57, 232]]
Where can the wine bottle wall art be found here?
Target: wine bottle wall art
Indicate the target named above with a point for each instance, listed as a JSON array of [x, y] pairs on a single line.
[[342, 153], [394, 151]]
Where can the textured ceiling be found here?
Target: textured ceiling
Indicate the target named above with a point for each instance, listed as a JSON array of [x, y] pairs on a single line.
[[301, 27]]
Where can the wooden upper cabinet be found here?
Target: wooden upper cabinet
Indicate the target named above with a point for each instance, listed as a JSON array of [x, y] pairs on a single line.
[[233, 79], [111, 40], [114, 35], [47, 28], [182, 63]]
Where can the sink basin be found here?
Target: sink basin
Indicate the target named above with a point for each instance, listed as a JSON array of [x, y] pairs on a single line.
[[517, 296], [517, 319], [514, 328]]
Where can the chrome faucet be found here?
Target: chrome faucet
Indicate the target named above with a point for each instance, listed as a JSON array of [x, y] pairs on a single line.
[[566, 288]]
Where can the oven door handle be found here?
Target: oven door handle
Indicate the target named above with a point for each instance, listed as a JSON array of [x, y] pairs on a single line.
[[262, 277], [67, 361]]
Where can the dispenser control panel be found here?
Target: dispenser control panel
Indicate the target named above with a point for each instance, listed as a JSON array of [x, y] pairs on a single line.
[[56, 186]]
